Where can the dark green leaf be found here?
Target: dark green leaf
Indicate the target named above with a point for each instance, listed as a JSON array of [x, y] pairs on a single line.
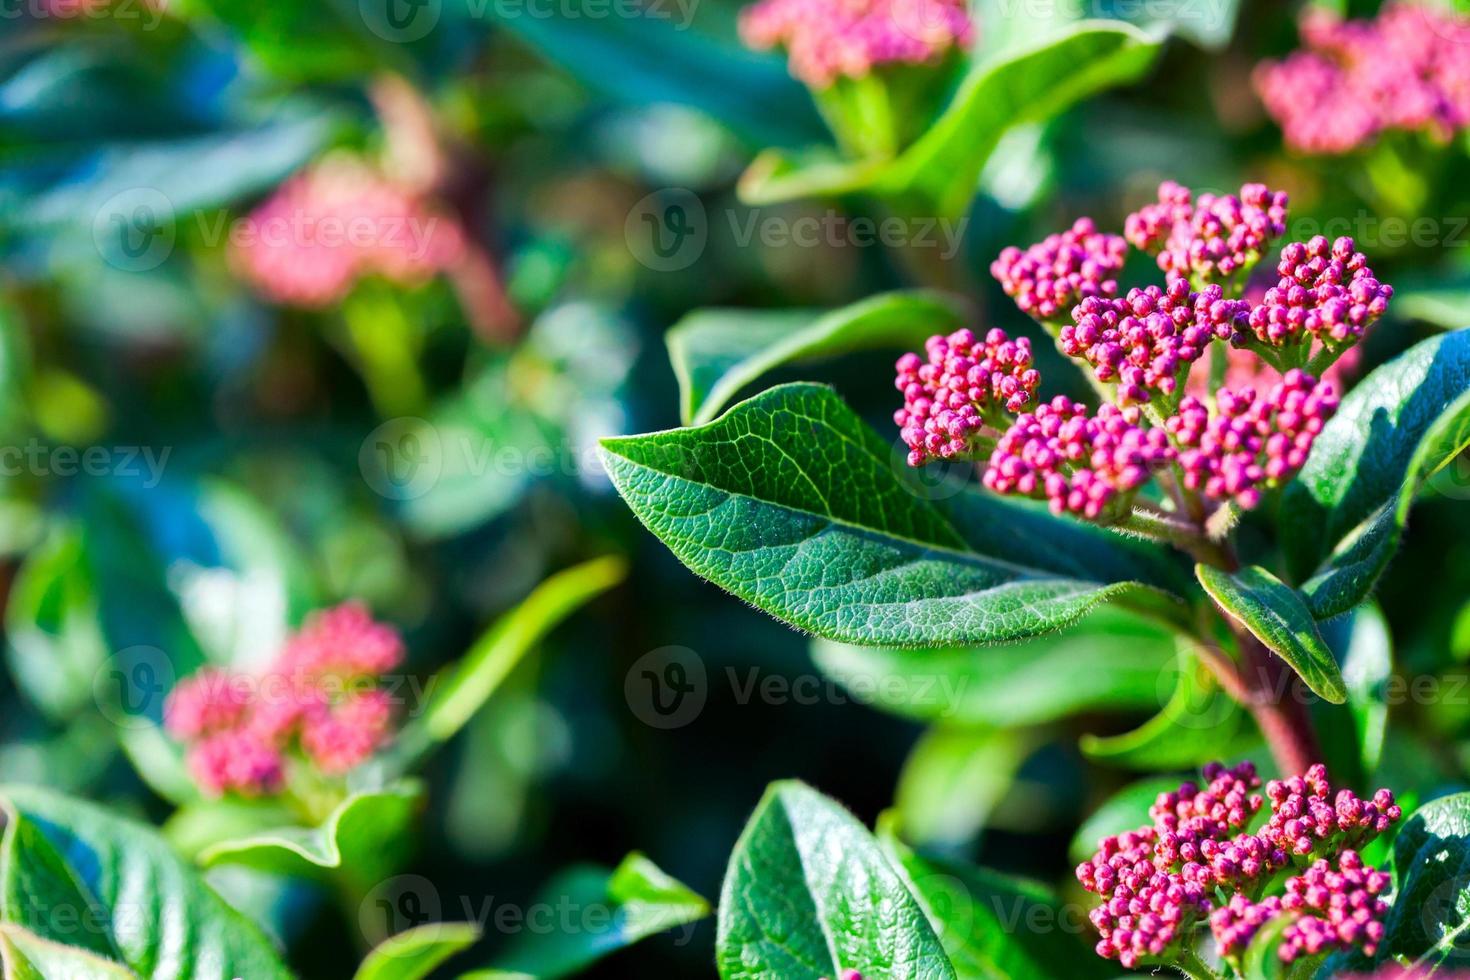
[[809, 893], [1346, 509], [1121, 655], [716, 353], [617, 909], [794, 505], [996, 926], [1430, 920], [77, 875], [1277, 615]]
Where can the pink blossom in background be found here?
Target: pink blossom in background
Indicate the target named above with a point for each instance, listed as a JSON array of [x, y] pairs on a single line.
[[1407, 69], [320, 695], [328, 227], [829, 39]]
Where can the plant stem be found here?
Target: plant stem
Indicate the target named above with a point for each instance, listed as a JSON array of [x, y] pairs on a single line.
[[1187, 537], [1281, 716]]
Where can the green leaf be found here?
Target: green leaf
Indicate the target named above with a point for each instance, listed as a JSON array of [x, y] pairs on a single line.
[[1121, 655], [716, 353], [1352, 735], [1198, 724], [809, 893], [994, 926], [1277, 615], [617, 909], [362, 835], [470, 683], [1023, 85], [415, 953], [56, 642], [1444, 304], [64, 861], [26, 956], [793, 504], [1125, 810], [1345, 511], [953, 780], [1430, 919]]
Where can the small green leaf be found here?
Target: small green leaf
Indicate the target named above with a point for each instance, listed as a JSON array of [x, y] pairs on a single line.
[[1199, 723], [617, 909], [1277, 615], [793, 504], [64, 861], [1125, 810], [474, 679], [716, 353], [1430, 919], [362, 834], [26, 956], [1024, 84], [1121, 654], [809, 893], [993, 925], [1443, 304], [953, 779], [415, 953], [1344, 513]]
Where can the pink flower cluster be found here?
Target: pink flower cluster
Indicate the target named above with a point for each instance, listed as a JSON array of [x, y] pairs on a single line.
[[829, 39], [320, 694], [1146, 341], [1061, 270], [1250, 441], [1404, 70], [1197, 862], [1087, 465], [1210, 239], [1326, 291], [328, 227], [947, 396]]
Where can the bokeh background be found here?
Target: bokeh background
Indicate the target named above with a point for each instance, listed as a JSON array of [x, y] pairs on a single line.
[[237, 458]]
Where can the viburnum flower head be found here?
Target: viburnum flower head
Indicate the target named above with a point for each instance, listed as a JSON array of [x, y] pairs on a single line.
[[1325, 292], [1210, 239], [1197, 863], [1061, 270], [1404, 70], [830, 39], [318, 697], [962, 383]]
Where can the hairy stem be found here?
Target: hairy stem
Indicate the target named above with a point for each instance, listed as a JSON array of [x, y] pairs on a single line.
[[1183, 535], [1193, 967]]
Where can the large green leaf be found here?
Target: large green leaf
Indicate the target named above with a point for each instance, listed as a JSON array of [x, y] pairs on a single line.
[[75, 874], [1345, 511], [809, 893], [1022, 85], [953, 780], [615, 909], [26, 956], [1121, 655], [1277, 615], [716, 353], [792, 503], [414, 953], [1197, 724], [362, 836], [1430, 920], [995, 926]]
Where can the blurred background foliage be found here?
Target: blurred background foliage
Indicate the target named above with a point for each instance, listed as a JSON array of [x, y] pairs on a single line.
[[251, 452]]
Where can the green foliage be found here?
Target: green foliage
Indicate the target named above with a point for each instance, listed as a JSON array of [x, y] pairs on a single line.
[[716, 353], [1277, 615], [794, 505], [1348, 506], [415, 953], [1197, 724]]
